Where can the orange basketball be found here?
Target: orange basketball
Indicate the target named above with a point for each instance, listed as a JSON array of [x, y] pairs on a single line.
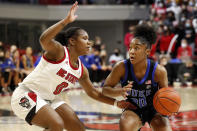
[[167, 101]]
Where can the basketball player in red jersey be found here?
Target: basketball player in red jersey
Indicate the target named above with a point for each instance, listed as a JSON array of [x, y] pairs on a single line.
[[145, 77], [36, 99]]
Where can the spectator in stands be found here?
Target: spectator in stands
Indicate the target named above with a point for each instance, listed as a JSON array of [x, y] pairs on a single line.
[[184, 51], [186, 11], [128, 37], [7, 71], [100, 47], [103, 55], [159, 8], [178, 29], [12, 49], [98, 43], [115, 57], [27, 61], [165, 40], [1, 62], [85, 59], [97, 72], [154, 54], [17, 72], [175, 8], [186, 72], [190, 34], [170, 18], [164, 62]]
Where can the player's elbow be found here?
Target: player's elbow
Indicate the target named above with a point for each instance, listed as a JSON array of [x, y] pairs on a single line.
[[42, 39]]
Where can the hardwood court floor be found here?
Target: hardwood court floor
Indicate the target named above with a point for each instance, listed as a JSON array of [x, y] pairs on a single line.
[[102, 117]]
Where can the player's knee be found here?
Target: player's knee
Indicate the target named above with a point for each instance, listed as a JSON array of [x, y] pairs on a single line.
[[127, 124], [78, 125], [58, 125], [160, 122]]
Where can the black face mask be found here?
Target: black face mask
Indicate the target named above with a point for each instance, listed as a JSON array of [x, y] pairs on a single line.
[[116, 53]]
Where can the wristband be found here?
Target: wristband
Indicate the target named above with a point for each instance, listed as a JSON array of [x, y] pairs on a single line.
[[115, 103]]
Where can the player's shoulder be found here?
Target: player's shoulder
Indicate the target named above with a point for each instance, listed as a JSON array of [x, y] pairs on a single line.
[[160, 70], [120, 64], [119, 68]]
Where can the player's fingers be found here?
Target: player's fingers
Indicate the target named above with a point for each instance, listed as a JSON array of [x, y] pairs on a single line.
[[74, 10], [126, 89], [124, 95], [74, 5], [128, 86], [130, 82]]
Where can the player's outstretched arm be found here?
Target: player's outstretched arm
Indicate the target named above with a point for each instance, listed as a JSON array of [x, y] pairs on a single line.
[[47, 41], [97, 95], [113, 79]]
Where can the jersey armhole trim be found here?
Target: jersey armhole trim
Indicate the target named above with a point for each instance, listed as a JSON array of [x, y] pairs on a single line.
[[153, 73], [74, 68], [55, 62]]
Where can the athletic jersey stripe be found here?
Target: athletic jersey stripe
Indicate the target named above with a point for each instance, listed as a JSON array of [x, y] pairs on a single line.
[[55, 62], [74, 68], [145, 76], [153, 73]]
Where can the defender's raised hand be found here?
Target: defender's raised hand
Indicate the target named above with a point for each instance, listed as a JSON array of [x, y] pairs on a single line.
[[71, 14]]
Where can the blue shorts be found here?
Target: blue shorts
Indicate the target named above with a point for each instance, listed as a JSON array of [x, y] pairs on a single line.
[[145, 114]]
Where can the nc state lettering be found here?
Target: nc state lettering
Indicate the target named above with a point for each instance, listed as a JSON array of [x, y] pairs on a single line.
[[69, 77]]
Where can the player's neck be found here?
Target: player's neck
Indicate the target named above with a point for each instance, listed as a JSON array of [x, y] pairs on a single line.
[[73, 57], [138, 67]]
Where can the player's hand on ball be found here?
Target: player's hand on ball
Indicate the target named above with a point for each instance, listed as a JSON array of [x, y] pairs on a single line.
[[71, 14], [124, 91], [125, 105]]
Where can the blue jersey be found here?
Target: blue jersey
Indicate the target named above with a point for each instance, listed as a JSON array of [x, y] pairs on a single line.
[[94, 59], [143, 91], [86, 61], [7, 64]]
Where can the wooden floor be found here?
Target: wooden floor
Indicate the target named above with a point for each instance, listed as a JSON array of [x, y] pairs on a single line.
[[102, 117]]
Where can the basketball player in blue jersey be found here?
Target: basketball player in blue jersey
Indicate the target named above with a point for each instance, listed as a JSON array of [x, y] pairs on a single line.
[[37, 100], [143, 77]]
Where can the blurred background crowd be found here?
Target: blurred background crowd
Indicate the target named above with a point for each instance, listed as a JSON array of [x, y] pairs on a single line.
[[84, 2], [176, 46]]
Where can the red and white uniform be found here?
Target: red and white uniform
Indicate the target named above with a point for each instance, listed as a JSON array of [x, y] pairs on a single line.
[[44, 84]]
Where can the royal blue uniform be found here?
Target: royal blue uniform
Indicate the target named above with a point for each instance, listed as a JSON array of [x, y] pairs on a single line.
[[143, 91]]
